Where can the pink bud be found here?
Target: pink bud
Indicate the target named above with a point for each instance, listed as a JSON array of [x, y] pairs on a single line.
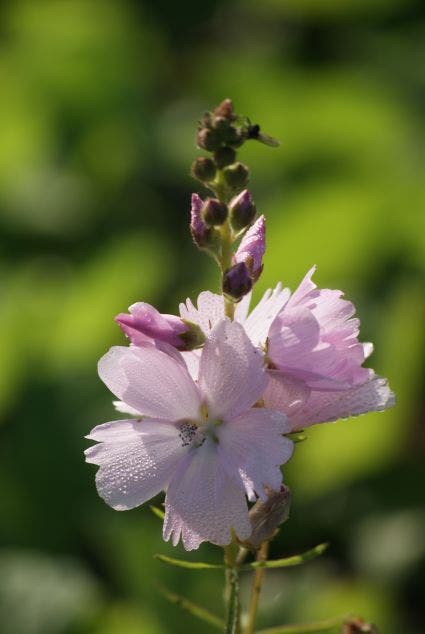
[[242, 210], [252, 248], [198, 229], [145, 323]]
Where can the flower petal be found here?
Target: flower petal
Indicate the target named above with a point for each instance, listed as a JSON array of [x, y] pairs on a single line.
[[231, 373], [284, 392], [136, 460], [258, 322], [151, 382], [203, 503], [254, 445], [374, 395], [209, 311]]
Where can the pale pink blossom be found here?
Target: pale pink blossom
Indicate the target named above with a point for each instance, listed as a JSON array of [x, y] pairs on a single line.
[[204, 443], [314, 356]]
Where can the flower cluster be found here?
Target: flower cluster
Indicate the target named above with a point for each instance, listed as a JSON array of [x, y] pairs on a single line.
[[211, 395]]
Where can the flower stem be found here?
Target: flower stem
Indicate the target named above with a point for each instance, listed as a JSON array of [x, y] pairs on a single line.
[[256, 588], [232, 590]]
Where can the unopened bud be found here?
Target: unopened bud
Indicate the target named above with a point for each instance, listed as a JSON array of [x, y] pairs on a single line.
[[355, 625], [266, 517], [237, 281], [225, 109], [144, 323], [208, 139], [224, 156], [204, 237], [214, 212], [236, 176], [203, 169], [242, 210], [252, 247]]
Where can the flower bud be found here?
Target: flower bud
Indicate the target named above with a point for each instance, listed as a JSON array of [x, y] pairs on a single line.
[[236, 176], [242, 210], [204, 169], [224, 156], [214, 212], [204, 237], [266, 517], [208, 139], [145, 323], [237, 281], [225, 109], [252, 247]]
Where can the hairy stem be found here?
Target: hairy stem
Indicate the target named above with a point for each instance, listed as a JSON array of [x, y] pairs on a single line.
[[256, 588], [232, 590]]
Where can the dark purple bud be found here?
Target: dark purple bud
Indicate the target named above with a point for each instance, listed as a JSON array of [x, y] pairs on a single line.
[[224, 156], [266, 517], [237, 281], [214, 212], [236, 176], [204, 169], [242, 210], [208, 139]]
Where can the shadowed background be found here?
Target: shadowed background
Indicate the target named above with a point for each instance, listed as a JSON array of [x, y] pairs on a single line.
[[98, 106]]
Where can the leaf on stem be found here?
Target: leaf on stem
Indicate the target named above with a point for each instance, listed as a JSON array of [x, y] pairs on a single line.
[[296, 560], [190, 565], [192, 608]]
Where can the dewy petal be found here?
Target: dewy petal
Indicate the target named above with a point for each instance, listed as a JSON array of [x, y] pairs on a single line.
[[284, 392], [258, 322], [151, 382], [374, 395], [209, 311], [253, 445], [231, 373], [203, 503], [123, 408], [136, 460]]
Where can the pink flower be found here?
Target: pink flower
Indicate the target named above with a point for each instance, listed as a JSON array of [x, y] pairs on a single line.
[[204, 442], [252, 248], [145, 323], [315, 359]]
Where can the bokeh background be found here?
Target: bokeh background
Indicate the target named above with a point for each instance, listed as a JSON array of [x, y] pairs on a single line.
[[99, 100]]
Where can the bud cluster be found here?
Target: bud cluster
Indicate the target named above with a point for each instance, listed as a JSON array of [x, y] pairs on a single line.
[[220, 220]]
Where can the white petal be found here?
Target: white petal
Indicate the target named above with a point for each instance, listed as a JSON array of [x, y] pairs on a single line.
[[123, 408], [284, 392], [209, 311], [203, 503], [258, 322], [136, 460], [374, 395], [254, 445], [231, 373]]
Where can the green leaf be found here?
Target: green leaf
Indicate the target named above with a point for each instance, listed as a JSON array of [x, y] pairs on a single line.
[[190, 565], [296, 560], [192, 608], [158, 512], [304, 628]]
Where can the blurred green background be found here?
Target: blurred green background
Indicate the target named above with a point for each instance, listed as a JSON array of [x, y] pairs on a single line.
[[98, 106]]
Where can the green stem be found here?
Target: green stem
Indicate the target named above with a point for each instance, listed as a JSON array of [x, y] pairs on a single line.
[[256, 588], [232, 590], [306, 628]]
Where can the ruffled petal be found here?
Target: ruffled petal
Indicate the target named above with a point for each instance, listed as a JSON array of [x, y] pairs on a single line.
[[258, 322], [210, 309], [285, 393], [231, 373], [136, 460], [203, 503], [254, 446], [374, 395]]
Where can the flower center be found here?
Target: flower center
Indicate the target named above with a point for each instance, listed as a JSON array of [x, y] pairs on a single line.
[[194, 434]]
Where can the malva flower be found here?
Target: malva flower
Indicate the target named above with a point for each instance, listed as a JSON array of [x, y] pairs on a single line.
[[205, 443], [310, 340]]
